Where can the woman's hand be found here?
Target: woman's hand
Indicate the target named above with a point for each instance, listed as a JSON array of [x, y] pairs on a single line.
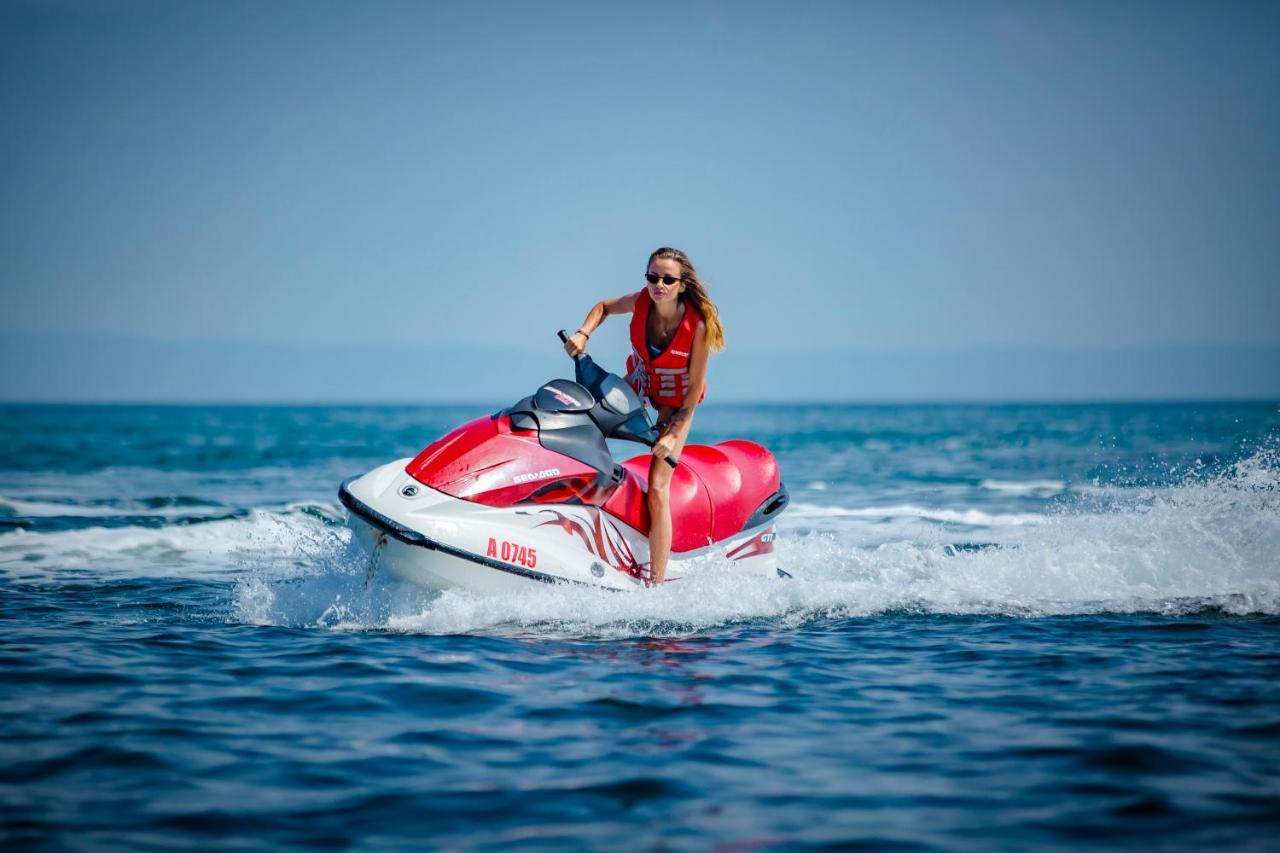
[[664, 447], [576, 345]]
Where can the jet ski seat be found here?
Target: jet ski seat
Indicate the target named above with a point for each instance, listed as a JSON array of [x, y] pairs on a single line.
[[714, 492]]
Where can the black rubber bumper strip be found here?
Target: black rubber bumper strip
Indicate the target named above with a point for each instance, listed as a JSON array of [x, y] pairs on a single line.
[[408, 536]]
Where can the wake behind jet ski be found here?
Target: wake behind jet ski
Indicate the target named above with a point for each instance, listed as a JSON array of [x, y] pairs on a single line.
[[532, 494]]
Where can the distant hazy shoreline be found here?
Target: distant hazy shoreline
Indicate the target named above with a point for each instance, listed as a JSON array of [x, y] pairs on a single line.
[[100, 369]]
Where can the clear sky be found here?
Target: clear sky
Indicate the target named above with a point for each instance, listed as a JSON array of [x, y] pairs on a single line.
[[908, 176]]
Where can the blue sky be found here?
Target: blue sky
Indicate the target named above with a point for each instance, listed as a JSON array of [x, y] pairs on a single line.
[[849, 177]]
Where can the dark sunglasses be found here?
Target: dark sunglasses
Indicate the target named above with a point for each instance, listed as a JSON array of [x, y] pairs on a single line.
[[665, 279]]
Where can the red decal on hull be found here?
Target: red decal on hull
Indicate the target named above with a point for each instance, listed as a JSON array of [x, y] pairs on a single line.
[[761, 543], [603, 540]]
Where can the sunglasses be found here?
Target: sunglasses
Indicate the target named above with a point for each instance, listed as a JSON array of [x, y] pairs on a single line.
[[665, 279]]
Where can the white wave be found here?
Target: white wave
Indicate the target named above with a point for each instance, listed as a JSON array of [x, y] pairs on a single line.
[[335, 597], [1039, 488], [968, 516], [52, 509], [43, 509], [209, 550]]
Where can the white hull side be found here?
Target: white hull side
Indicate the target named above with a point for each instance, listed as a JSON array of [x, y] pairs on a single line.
[[494, 550], [433, 570]]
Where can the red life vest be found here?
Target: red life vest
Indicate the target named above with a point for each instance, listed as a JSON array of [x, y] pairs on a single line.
[[663, 378]]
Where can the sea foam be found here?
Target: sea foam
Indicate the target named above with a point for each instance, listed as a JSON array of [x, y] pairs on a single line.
[[1210, 543], [1203, 542]]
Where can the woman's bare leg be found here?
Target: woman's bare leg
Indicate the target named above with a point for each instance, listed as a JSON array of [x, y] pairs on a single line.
[[659, 519], [660, 506]]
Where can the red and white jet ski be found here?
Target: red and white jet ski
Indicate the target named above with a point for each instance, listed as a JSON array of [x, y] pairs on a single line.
[[532, 494]]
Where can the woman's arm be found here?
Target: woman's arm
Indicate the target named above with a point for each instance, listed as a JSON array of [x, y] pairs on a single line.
[[618, 305], [682, 418]]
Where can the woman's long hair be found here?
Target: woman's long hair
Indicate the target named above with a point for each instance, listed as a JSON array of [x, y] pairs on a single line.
[[696, 293]]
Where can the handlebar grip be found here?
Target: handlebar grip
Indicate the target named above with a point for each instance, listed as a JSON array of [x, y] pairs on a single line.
[[565, 337]]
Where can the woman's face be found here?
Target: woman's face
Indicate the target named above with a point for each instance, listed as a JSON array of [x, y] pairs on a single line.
[[661, 291]]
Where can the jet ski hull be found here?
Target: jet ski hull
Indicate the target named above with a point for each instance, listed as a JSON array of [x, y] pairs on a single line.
[[435, 569], [439, 542]]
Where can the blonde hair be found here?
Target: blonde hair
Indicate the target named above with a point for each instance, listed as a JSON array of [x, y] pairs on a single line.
[[696, 293]]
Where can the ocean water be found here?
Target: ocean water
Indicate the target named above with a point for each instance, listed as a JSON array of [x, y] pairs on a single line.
[[1009, 627]]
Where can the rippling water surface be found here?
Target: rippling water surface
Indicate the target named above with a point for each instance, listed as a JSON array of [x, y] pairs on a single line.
[[1008, 626]]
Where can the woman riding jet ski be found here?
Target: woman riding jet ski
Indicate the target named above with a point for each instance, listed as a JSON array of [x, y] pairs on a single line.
[[532, 494]]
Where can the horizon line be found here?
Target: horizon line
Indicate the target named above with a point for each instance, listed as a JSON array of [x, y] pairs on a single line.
[[868, 401]]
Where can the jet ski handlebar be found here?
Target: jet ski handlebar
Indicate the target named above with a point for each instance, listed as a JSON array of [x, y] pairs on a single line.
[[564, 337]]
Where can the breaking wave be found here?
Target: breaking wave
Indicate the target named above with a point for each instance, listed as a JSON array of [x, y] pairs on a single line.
[[267, 541], [1025, 487]]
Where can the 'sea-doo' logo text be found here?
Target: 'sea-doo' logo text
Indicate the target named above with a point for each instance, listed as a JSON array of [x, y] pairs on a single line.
[[536, 475], [512, 553], [677, 352]]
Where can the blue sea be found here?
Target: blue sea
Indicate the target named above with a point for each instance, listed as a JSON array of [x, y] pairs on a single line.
[[1008, 627]]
